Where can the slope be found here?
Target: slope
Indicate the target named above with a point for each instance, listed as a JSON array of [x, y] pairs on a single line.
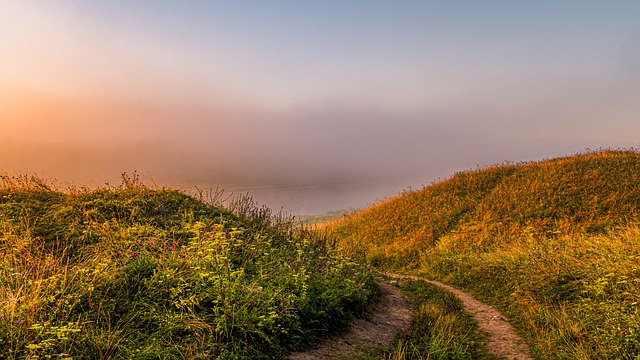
[[132, 272], [553, 244]]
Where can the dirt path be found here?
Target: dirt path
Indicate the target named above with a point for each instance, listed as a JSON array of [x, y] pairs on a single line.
[[392, 317], [502, 340], [389, 318]]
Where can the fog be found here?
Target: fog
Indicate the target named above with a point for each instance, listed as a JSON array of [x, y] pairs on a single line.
[[310, 106], [307, 159]]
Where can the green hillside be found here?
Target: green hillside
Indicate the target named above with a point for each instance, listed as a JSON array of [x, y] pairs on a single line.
[[554, 244], [135, 273]]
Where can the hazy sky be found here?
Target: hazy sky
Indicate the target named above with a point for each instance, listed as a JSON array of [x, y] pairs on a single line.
[[311, 105]]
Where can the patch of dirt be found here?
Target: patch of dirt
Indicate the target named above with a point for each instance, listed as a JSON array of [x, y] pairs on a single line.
[[502, 339], [388, 319]]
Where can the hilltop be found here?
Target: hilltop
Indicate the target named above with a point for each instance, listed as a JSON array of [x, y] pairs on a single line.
[[554, 244], [488, 207], [133, 272]]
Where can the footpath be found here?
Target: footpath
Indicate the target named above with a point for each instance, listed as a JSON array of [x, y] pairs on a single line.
[[391, 318]]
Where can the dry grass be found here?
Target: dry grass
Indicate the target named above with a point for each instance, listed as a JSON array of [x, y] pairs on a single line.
[[554, 244]]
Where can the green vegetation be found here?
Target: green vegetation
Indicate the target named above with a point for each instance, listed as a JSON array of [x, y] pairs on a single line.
[[136, 273], [320, 218], [555, 245], [441, 328]]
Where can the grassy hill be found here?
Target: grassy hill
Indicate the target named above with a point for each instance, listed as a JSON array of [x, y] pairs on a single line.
[[554, 244], [132, 272]]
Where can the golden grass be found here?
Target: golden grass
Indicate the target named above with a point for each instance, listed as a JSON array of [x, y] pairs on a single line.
[[554, 244]]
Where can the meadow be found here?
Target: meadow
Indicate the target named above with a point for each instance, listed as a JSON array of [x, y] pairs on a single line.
[[131, 272], [554, 245]]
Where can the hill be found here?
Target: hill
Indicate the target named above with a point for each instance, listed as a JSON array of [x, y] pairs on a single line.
[[554, 244], [132, 272]]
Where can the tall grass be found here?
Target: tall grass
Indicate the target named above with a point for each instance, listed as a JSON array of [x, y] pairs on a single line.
[[554, 244], [131, 272]]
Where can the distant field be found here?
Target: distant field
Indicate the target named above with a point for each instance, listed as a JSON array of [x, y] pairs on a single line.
[[320, 218], [554, 244]]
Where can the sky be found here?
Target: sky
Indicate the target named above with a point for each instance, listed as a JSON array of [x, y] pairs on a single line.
[[310, 106]]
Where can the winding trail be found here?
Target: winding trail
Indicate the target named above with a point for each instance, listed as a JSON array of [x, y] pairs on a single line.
[[502, 339], [391, 317]]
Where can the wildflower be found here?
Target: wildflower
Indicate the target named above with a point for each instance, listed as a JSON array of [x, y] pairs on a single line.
[[134, 256], [18, 321], [54, 307]]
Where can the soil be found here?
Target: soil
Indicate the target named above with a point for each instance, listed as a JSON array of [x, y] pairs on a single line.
[[392, 317]]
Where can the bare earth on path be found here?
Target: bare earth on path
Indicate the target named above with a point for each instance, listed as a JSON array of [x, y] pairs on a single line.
[[389, 318], [502, 339], [392, 317]]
